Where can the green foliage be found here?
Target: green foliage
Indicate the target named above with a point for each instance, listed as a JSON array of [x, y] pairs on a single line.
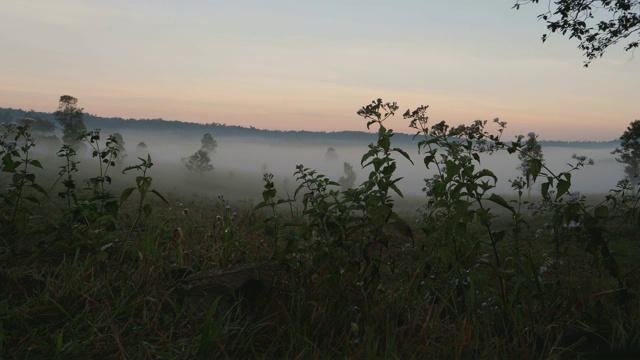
[[143, 185], [629, 151], [70, 117], [107, 156], [15, 144], [596, 24]]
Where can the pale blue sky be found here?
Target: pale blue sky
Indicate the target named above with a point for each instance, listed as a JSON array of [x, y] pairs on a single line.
[[311, 65]]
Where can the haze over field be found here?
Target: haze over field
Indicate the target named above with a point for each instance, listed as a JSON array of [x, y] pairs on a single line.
[[311, 65], [240, 162]]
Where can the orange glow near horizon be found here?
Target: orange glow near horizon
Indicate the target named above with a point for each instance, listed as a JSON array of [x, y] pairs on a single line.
[[285, 68]]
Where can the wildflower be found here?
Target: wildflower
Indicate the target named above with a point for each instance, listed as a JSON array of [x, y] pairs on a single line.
[[518, 183], [532, 135], [574, 197], [233, 215], [10, 146]]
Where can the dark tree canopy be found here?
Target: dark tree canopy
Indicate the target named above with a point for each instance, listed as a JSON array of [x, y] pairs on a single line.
[[331, 154], [199, 162], [349, 179], [629, 150], [42, 126], [208, 143], [597, 24], [70, 117]]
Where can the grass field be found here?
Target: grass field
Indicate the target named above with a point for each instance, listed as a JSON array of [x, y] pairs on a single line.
[[225, 265]]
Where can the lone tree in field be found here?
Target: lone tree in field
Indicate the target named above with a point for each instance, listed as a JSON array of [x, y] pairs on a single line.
[[331, 154], [349, 179], [597, 24], [70, 117], [141, 147], [208, 143], [199, 162], [629, 150]]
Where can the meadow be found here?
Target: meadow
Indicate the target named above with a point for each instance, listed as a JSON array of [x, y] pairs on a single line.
[[430, 254]]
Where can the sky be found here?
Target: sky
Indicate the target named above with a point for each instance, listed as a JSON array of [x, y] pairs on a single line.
[[310, 65]]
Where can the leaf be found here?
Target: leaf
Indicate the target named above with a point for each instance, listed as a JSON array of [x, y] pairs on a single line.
[[384, 143], [401, 226], [7, 164], [544, 190], [160, 196], [403, 153], [132, 167], [125, 195], [428, 160], [33, 199], [366, 156], [35, 163], [260, 205], [563, 187], [112, 208], [39, 189], [396, 189], [486, 172], [501, 201], [498, 235], [602, 212], [535, 166]]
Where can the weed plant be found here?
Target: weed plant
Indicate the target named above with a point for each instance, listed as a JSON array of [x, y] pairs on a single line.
[[331, 271]]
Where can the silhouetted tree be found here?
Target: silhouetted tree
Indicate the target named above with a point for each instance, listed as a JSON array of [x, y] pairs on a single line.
[[331, 154], [597, 24], [70, 117], [349, 179], [41, 126], [208, 143], [141, 146], [629, 150], [199, 162]]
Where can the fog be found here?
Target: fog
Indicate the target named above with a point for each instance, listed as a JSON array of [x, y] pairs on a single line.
[[250, 158], [240, 162]]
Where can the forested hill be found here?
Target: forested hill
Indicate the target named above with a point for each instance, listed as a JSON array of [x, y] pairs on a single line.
[[194, 130]]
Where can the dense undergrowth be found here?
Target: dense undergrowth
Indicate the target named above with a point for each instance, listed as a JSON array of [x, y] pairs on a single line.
[[92, 270]]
